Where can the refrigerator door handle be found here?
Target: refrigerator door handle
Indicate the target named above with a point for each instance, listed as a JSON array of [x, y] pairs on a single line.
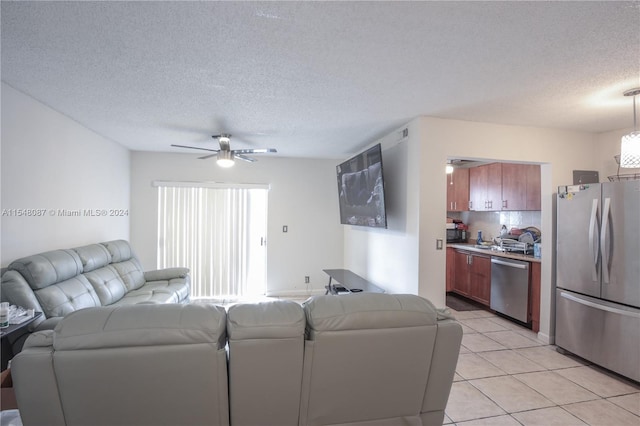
[[598, 305], [604, 248], [592, 230]]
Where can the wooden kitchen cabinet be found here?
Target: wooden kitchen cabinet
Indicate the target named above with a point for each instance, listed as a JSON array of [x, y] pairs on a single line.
[[480, 279], [485, 187], [520, 187], [534, 297], [461, 273], [458, 190], [534, 195], [472, 276], [451, 267]]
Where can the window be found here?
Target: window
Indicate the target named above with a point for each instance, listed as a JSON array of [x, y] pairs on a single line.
[[217, 231]]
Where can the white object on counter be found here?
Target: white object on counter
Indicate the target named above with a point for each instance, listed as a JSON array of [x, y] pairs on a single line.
[[4, 314]]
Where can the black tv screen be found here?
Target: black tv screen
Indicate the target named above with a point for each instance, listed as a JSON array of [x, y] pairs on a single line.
[[361, 189]]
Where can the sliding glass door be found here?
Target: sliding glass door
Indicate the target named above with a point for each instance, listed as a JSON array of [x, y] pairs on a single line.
[[218, 232]]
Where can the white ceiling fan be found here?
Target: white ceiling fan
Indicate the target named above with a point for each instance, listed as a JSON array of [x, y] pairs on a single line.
[[226, 155]]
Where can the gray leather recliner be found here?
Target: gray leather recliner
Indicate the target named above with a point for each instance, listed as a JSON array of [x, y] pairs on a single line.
[[357, 359], [62, 281], [126, 365], [377, 359], [266, 350]]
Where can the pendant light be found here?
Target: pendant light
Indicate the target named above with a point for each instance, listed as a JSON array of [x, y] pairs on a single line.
[[225, 158], [630, 144]]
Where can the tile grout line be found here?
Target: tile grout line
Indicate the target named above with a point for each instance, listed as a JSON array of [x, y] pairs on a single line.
[[524, 333]]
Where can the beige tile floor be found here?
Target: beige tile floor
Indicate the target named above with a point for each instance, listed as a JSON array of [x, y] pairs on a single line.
[[505, 376]]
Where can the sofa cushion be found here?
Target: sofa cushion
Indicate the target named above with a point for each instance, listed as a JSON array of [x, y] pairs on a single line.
[[67, 296], [42, 270], [369, 311], [107, 284], [367, 358], [120, 250], [146, 295], [131, 273], [180, 287], [166, 274], [141, 325], [265, 320], [266, 351], [93, 256]]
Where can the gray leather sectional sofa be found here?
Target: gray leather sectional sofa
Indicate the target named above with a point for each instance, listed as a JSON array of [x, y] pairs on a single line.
[[358, 359], [62, 281]]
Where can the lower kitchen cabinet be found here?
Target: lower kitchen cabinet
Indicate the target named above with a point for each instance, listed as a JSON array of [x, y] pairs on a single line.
[[472, 276], [481, 279], [534, 297], [451, 267], [469, 274]]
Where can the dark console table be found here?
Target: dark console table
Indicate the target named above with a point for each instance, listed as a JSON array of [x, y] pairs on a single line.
[[13, 329], [348, 282]]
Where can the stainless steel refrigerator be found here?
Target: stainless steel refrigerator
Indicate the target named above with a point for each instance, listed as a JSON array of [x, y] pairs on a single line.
[[598, 274]]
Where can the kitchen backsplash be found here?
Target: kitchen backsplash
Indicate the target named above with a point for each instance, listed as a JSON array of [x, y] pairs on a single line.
[[490, 223]]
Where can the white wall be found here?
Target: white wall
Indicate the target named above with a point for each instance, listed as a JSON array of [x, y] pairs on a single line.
[[50, 162], [390, 257], [406, 259], [303, 196], [559, 152]]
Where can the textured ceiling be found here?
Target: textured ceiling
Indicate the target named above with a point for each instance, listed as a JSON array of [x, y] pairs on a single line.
[[320, 79]]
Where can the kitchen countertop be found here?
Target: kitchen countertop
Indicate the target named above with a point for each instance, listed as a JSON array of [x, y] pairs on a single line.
[[492, 252]]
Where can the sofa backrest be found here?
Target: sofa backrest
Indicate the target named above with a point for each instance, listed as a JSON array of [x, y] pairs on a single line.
[[62, 281], [56, 279], [266, 347], [338, 360], [367, 357], [96, 264], [126, 263], [140, 364]]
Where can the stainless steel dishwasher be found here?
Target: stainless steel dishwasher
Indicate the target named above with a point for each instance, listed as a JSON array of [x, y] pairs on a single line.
[[510, 287]]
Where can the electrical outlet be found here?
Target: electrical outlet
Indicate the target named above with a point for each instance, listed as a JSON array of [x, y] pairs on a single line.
[[306, 279], [285, 228]]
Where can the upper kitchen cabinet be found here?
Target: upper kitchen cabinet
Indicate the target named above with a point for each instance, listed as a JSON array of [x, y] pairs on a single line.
[[458, 190], [520, 187], [485, 187]]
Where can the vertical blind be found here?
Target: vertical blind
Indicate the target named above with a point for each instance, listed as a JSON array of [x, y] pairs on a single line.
[[217, 232]]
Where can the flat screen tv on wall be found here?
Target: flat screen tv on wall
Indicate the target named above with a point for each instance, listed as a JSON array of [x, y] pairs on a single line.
[[361, 190]]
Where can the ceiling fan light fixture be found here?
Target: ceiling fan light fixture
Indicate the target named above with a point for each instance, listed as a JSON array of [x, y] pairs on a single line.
[[225, 159], [630, 143]]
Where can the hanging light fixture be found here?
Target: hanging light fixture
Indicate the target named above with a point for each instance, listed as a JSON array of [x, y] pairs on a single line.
[[630, 144], [225, 158]]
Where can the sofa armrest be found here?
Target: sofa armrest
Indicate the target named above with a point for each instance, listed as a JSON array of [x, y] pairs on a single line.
[[35, 383], [39, 339], [17, 291], [48, 324], [443, 367], [166, 274]]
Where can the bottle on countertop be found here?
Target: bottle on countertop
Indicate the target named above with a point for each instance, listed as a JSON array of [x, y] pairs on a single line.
[[504, 231], [479, 240]]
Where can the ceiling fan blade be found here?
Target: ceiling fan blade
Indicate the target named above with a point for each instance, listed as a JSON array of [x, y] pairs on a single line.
[[195, 147], [254, 151], [208, 156], [244, 158]]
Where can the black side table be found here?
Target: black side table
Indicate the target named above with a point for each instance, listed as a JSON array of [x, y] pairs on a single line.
[[13, 329]]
